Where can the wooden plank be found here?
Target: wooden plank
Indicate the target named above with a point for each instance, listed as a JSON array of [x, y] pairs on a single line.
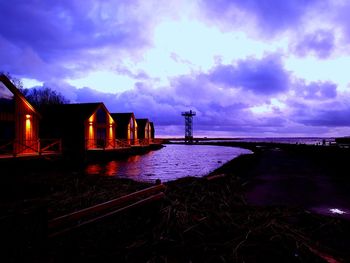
[[66, 219], [214, 177], [139, 203]]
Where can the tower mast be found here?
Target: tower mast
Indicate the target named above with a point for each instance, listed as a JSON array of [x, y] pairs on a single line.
[[188, 125]]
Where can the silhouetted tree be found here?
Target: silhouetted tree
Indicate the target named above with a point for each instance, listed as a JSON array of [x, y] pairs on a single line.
[[38, 96], [17, 82], [43, 96]]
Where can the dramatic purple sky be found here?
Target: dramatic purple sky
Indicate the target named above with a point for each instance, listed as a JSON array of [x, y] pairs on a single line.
[[247, 67]]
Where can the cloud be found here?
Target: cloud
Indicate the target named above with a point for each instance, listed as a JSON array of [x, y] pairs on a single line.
[[330, 112], [264, 76], [221, 109], [319, 43], [164, 106], [24, 61], [328, 118], [61, 25], [222, 97], [68, 35], [341, 18], [141, 75], [317, 90], [160, 65], [271, 16], [145, 102]]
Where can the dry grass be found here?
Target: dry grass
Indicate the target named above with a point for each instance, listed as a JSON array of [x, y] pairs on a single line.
[[200, 221]]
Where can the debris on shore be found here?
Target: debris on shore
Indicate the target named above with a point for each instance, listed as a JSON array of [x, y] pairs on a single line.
[[200, 220]]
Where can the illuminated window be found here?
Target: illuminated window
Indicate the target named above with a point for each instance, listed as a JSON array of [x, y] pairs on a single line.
[[28, 131]]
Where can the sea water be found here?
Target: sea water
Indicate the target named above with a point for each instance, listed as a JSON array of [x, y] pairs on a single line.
[[169, 163]]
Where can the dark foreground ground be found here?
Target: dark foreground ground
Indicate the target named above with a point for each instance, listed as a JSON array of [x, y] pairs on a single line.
[[200, 220]]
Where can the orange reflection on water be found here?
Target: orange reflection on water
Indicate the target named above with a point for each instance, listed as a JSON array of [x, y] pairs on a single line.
[[93, 169], [112, 168], [133, 159], [109, 169]]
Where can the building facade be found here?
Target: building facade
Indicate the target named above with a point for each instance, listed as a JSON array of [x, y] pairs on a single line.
[[126, 130], [19, 121], [82, 126], [144, 131]]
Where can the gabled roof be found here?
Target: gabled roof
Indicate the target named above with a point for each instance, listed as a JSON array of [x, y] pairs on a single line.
[[11, 87], [141, 123], [79, 112], [122, 118]]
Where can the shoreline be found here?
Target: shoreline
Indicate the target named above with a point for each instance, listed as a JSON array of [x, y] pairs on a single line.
[[208, 221]]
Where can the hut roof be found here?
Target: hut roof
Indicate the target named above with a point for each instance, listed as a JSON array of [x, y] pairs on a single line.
[[78, 112], [141, 123], [122, 118], [11, 87]]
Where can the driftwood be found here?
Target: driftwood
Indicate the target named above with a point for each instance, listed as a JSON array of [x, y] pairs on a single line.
[[68, 222], [214, 177]]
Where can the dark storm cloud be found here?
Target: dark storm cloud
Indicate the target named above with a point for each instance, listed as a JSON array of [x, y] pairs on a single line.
[[328, 117], [143, 101], [23, 61], [44, 32], [325, 113], [319, 43], [53, 27], [164, 105], [265, 76], [271, 15], [223, 98], [317, 90]]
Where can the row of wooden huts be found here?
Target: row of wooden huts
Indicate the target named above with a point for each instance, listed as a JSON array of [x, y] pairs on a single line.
[[67, 128]]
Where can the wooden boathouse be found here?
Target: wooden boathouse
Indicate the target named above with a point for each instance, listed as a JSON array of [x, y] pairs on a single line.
[[143, 131], [126, 130], [82, 126], [19, 125], [76, 128], [151, 124]]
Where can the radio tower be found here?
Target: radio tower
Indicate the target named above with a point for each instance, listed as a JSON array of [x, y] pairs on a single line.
[[188, 125]]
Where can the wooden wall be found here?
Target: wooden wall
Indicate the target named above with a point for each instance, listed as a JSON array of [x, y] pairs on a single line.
[[132, 132], [92, 128], [27, 128]]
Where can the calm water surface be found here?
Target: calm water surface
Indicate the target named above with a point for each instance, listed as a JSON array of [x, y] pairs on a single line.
[[169, 163], [287, 140]]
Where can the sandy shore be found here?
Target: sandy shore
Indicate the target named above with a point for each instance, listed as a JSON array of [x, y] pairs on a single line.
[[201, 220]]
